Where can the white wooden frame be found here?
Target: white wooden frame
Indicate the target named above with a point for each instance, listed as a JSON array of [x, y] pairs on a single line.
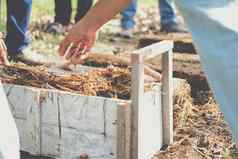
[[49, 123], [138, 58]]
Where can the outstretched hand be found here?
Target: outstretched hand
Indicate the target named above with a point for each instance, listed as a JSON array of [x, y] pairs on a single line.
[[77, 44], [3, 52]]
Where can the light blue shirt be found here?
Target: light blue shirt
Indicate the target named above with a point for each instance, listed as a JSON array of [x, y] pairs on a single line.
[[214, 30]]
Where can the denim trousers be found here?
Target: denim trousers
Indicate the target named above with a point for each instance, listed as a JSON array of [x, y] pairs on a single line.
[[18, 17], [167, 13], [63, 10], [128, 14]]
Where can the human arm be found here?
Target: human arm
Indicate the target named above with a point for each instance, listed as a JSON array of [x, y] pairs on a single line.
[[83, 34]]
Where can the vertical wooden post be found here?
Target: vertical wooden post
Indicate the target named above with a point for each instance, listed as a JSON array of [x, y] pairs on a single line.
[[124, 130], [121, 131], [137, 59], [137, 101], [167, 96]]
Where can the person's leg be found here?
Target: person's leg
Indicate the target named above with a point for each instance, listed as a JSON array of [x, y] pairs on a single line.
[[127, 21], [128, 14], [168, 18], [63, 11], [82, 9], [167, 13], [18, 15]]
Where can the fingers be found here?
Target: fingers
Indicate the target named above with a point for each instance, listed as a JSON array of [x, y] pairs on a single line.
[[81, 51], [3, 53], [68, 53], [71, 51], [1, 35], [75, 46], [81, 54], [79, 57], [78, 48], [3, 45], [63, 46]]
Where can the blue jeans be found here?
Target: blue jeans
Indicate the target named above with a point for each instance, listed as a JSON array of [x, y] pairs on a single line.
[[63, 10], [128, 15], [167, 13], [18, 15], [166, 9]]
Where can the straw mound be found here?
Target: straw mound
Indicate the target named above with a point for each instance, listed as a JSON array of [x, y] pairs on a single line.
[[199, 130], [109, 82]]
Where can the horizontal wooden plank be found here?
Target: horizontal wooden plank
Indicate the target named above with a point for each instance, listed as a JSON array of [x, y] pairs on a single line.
[[154, 50], [51, 117], [21, 100], [69, 126], [71, 143], [87, 114]]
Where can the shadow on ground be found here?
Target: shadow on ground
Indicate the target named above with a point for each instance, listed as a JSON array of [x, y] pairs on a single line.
[[25, 155]]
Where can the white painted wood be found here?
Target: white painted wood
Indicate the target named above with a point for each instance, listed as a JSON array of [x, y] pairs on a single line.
[[70, 124], [20, 107], [152, 73], [25, 109], [137, 97], [150, 122], [142, 144], [80, 125], [128, 131], [121, 133], [75, 140], [9, 138], [156, 49], [167, 97], [124, 131], [65, 125]]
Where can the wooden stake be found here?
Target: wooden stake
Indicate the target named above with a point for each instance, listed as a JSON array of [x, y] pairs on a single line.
[[137, 60], [137, 101], [167, 97]]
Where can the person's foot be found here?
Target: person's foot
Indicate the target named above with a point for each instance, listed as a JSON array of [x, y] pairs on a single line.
[[126, 33], [28, 57], [56, 28], [173, 28]]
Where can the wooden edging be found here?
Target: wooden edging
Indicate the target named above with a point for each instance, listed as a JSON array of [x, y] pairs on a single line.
[[163, 48], [154, 50]]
